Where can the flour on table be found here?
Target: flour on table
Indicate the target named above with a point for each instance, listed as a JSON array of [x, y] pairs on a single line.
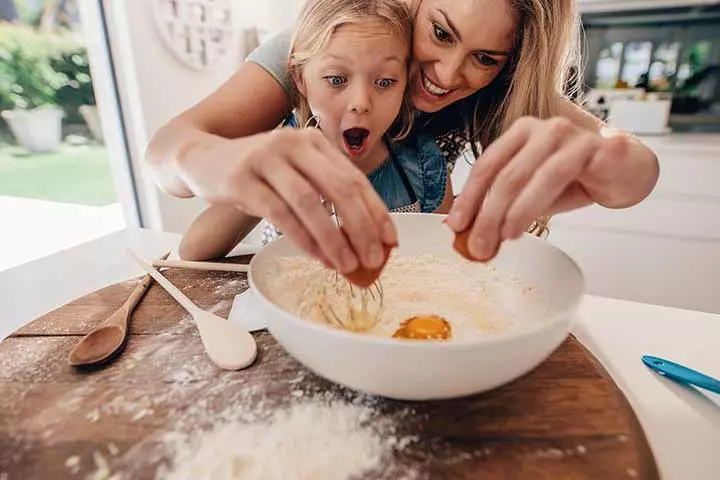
[[222, 304], [316, 439], [231, 287], [73, 464], [102, 469]]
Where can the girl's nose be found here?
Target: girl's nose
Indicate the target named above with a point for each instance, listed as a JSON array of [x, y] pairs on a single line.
[[360, 101]]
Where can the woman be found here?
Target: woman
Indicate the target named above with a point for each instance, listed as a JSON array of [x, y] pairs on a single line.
[[488, 70]]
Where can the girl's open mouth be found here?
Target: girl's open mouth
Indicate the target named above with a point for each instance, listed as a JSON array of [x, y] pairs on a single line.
[[356, 140]]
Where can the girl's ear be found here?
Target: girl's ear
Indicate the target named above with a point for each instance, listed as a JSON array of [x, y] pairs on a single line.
[[297, 77]]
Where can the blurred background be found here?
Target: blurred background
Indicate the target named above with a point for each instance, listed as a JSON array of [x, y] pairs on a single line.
[[85, 83]]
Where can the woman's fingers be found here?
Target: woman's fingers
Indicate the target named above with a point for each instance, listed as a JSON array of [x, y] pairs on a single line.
[[483, 174], [263, 202], [306, 204], [339, 181], [547, 184], [283, 175], [377, 208], [508, 184]]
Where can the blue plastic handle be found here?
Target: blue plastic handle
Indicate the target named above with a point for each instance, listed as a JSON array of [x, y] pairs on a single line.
[[681, 374]]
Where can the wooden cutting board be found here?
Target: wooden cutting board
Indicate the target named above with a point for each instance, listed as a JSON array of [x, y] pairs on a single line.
[[564, 420]]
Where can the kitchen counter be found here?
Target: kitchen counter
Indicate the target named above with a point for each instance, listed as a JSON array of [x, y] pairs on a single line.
[[709, 142]]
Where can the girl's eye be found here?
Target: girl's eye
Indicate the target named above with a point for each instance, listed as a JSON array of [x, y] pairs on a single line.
[[386, 83], [336, 80], [441, 34], [485, 60]]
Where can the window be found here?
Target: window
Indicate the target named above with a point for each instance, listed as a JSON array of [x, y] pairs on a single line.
[[608, 66], [695, 58], [664, 66], [637, 62]]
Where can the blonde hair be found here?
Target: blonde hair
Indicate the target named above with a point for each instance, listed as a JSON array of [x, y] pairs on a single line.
[[543, 66], [318, 21]]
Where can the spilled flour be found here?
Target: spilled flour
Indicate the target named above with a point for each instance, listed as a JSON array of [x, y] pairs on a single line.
[[474, 298], [315, 439]]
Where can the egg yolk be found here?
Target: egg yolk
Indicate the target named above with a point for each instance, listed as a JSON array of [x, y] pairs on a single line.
[[424, 327]]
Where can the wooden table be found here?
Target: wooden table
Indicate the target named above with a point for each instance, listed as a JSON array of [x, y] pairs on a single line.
[[566, 419]]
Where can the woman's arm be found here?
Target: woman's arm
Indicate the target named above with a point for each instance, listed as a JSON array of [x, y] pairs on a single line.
[[250, 102], [214, 151], [215, 232], [541, 167], [628, 171]]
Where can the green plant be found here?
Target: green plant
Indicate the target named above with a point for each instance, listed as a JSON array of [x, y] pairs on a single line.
[[27, 77], [78, 89]]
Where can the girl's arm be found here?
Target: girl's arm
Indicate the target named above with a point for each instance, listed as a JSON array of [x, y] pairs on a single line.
[[215, 232]]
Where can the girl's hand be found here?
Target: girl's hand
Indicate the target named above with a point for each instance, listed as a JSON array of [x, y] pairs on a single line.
[[282, 175], [541, 167]]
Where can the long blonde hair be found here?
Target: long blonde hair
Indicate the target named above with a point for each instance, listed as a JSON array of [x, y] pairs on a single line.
[[544, 65], [318, 21]]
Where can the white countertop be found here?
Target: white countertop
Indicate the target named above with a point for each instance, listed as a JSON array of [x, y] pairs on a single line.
[[685, 141], [682, 424]]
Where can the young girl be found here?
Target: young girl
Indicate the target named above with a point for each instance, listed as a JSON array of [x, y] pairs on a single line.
[[348, 62]]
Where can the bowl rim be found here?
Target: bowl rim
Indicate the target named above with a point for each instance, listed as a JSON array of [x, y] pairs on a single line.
[[560, 316]]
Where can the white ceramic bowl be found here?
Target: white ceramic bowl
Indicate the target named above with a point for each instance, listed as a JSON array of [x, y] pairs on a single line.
[[410, 370]]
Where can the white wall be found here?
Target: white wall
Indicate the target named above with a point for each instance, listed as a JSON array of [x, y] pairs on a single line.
[[155, 86]]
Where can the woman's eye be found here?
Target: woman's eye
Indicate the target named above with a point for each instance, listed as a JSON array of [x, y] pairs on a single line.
[[336, 80], [486, 60], [386, 82], [441, 34]]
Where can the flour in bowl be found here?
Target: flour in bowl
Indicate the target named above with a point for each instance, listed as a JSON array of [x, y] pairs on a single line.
[[474, 298]]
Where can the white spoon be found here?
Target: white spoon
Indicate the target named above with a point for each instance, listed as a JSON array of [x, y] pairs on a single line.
[[227, 346], [210, 266]]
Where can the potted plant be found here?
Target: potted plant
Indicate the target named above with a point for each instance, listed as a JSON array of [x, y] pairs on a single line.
[[28, 84], [77, 96]]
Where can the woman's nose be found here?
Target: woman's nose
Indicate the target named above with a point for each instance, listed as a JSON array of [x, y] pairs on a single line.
[[448, 71]]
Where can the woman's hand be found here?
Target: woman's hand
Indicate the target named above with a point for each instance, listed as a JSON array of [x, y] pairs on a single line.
[[541, 167], [282, 175]]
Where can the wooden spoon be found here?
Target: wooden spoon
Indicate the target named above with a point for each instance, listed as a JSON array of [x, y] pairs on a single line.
[[228, 346], [110, 336]]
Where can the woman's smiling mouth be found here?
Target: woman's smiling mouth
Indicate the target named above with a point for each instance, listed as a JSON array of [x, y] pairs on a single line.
[[431, 90]]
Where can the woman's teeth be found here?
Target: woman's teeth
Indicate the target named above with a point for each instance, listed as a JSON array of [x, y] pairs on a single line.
[[432, 88]]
